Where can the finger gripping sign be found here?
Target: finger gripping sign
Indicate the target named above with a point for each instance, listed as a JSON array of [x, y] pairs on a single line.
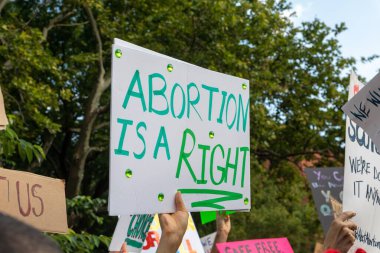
[[176, 127], [191, 242]]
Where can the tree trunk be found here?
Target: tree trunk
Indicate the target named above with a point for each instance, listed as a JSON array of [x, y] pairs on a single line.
[[83, 148]]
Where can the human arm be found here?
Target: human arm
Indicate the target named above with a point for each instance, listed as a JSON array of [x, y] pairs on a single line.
[[173, 227], [223, 228]]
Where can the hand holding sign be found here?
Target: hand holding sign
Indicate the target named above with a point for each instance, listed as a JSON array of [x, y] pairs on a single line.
[[173, 227], [341, 235], [223, 228]]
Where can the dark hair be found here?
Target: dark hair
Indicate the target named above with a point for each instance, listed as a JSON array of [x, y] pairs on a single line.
[[16, 236]]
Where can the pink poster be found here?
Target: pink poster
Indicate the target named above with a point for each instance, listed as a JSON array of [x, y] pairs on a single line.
[[273, 245]]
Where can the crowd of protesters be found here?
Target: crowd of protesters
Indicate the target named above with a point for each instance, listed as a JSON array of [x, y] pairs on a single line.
[[18, 237]]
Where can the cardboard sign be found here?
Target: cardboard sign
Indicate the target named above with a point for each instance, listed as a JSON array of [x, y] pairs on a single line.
[[361, 181], [3, 115], [190, 243], [209, 216], [176, 127], [324, 183], [131, 229], [278, 245], [208, 241], [364, 109], [36, 200]]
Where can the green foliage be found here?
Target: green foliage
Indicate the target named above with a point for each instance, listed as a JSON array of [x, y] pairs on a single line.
[[281, 207], [83, 211], [52, 62], [81, 243], [12, 146]]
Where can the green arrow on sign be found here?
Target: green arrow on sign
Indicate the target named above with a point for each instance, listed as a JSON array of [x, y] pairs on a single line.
[[212, 203]]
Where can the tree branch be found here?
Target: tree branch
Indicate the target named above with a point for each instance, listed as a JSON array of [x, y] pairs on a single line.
[[101, 125], [2, 4], [99, 43], [82, 149], [54, 22], [277, 156], [96, 149], [103, 109], [48, 141]]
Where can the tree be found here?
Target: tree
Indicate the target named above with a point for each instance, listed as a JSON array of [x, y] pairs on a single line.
[[55, 58]]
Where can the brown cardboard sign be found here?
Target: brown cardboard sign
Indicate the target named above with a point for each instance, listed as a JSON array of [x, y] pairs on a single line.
[[3, 115], [36, 200]]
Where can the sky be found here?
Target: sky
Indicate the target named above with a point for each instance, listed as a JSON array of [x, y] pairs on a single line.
[[361, 18]]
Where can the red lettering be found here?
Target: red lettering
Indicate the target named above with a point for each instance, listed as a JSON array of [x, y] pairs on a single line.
[[151, 237], [40, 199], [19, 201], [4, 178]]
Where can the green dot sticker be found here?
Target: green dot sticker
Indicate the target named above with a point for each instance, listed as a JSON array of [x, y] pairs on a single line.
[[246, 201], [169, 67], [244, 86], [211, 135], [128, 173], [118, 53], [160, 197]]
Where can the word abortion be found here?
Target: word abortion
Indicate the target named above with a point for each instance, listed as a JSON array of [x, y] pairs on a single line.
[[189, 97]]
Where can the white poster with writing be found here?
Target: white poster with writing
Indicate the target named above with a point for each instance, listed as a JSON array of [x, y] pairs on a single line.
[[190, 242], [132, 230], [120, 233], [208, 242], [362, 181], [176, 127], [364, 109]]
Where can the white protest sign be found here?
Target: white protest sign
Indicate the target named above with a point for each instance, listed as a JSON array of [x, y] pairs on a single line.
[[208, 241], [364, 109], [190, 242], [120, 233], [131, 229], [176, 127], [361, 181]]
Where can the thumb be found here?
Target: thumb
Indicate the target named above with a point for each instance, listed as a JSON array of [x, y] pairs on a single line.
[[124, 248], [179, 204]]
